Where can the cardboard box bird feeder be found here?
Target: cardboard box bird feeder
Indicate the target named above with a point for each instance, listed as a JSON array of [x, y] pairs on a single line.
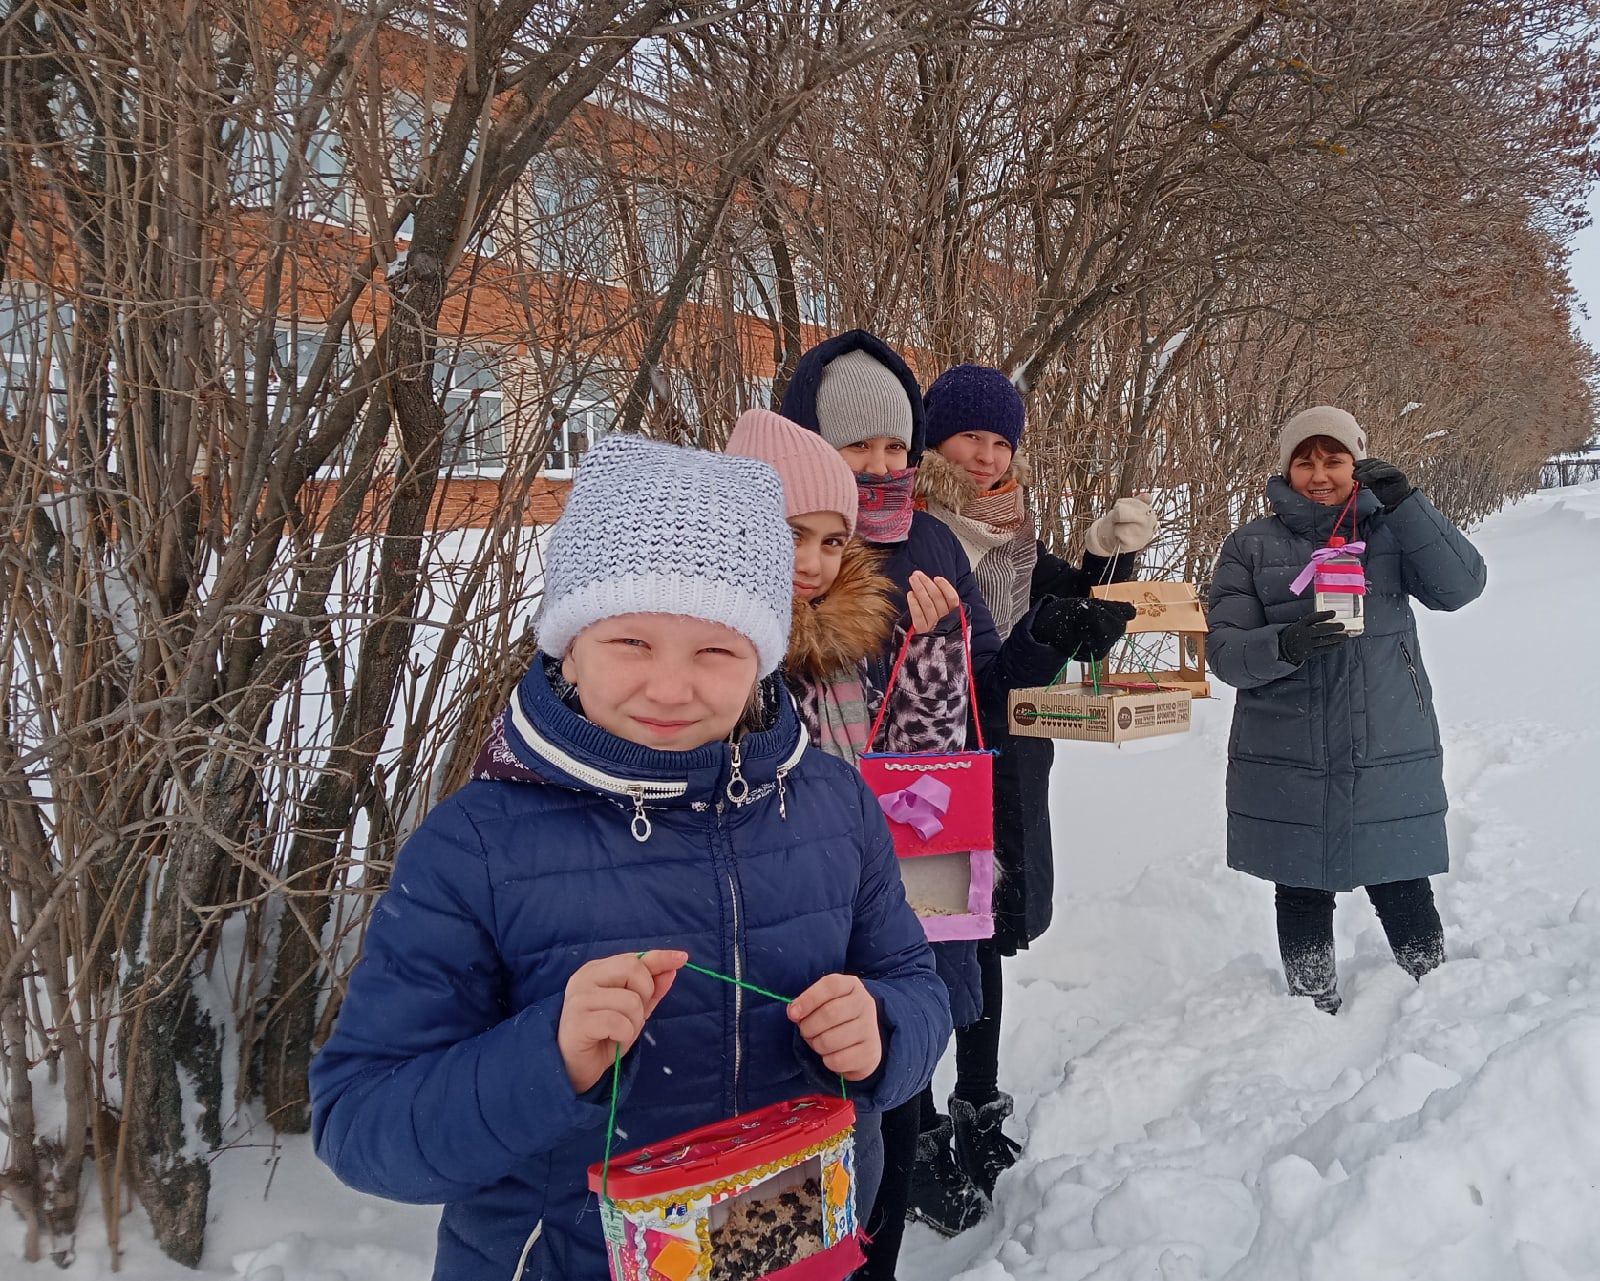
[[1134, 694], [769, 1194], [1171, 608], [1107, 714]]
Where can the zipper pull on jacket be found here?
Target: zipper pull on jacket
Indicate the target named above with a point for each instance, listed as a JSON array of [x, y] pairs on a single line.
[[738, 790], [640, 827]]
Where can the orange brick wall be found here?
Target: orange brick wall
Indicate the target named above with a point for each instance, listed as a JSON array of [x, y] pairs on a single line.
[[462, 502]]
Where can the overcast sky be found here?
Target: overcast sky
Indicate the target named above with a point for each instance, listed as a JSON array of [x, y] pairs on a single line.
[[1586, 272]]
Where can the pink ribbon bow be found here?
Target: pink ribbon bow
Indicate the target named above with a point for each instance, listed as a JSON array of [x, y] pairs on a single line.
[[1320, 557], [922, 806]]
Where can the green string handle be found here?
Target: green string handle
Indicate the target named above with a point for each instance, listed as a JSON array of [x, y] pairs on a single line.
[[616, 1069], [1094, 669], [733, 982]]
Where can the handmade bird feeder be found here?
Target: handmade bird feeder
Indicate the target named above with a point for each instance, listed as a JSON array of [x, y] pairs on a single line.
[[1098, 712], [767, 1195], [1341, 583], [1165, 609], [940, 808]]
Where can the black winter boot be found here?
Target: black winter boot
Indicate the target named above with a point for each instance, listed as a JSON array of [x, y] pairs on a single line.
[[1310, 972], [942, 1196], [1411, 922], [1305, 942], [1418, 957], [982, 1147]]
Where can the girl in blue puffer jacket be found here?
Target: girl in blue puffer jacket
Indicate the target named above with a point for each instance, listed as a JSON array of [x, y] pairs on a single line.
[[651, 799]]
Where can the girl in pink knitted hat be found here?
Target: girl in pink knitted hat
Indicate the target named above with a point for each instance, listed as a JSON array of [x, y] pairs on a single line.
[[843, 639], [844, 621]]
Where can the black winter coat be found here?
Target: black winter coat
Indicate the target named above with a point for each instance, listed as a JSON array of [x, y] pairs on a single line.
[[999, 668], [1022, 821], [1024, 846], [930, 546]]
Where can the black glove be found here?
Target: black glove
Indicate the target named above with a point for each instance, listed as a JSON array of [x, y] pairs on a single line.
[[1082, 627], [1310, 635], [1386, 481]]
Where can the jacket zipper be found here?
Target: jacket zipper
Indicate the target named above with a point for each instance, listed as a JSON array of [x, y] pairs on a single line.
[[738, 958], [738, 790], [800, 745], [788, 764], [592, 777], [637, 790], [738, 992], [640, 790], [1416, 681]]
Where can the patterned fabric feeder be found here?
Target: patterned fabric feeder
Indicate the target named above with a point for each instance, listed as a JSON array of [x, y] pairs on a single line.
[[767, 1194], [940, 807]]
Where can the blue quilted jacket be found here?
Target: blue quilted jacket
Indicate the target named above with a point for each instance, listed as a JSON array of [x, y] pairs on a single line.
[[442, 1082]]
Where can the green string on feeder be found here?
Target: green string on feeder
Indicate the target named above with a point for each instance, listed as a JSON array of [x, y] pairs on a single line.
[[1094, 669], [748, 987], [616, 1072], [1138, 659]]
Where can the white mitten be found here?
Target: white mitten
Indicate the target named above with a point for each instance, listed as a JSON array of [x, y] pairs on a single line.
[[1130, 526]]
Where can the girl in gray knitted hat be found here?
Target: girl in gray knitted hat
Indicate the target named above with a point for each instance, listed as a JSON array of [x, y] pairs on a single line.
[[649, 799]]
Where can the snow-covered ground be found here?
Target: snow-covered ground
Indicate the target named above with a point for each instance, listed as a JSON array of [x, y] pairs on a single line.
[[1184, 1119]]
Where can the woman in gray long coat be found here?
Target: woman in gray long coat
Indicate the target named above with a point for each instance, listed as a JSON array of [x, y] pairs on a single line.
[[1335, 775]]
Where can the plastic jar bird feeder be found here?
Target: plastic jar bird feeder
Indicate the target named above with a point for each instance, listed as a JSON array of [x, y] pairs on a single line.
[[1339, 573], [1341, 584], [768, 1194]]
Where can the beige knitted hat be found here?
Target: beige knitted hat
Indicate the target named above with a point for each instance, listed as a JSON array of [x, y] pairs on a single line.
[[1323, 420]]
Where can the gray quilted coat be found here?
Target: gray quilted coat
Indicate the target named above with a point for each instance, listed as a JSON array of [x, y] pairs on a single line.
[[1335, 769]]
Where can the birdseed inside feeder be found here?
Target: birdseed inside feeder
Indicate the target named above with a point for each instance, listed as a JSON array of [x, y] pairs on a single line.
[[768, 1194]]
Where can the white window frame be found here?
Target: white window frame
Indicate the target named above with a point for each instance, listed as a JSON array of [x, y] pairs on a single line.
[[761, 394], [662, 234], [22, 362], [551, 183], [471, 382], [561, 460], [295, 350], [748, 284], [326, 195]]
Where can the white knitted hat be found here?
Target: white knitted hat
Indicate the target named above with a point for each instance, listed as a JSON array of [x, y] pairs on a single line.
[[654, 529]]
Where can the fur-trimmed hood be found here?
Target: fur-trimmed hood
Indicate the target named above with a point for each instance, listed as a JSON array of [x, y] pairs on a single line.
[[944, 485], [852, 622]]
